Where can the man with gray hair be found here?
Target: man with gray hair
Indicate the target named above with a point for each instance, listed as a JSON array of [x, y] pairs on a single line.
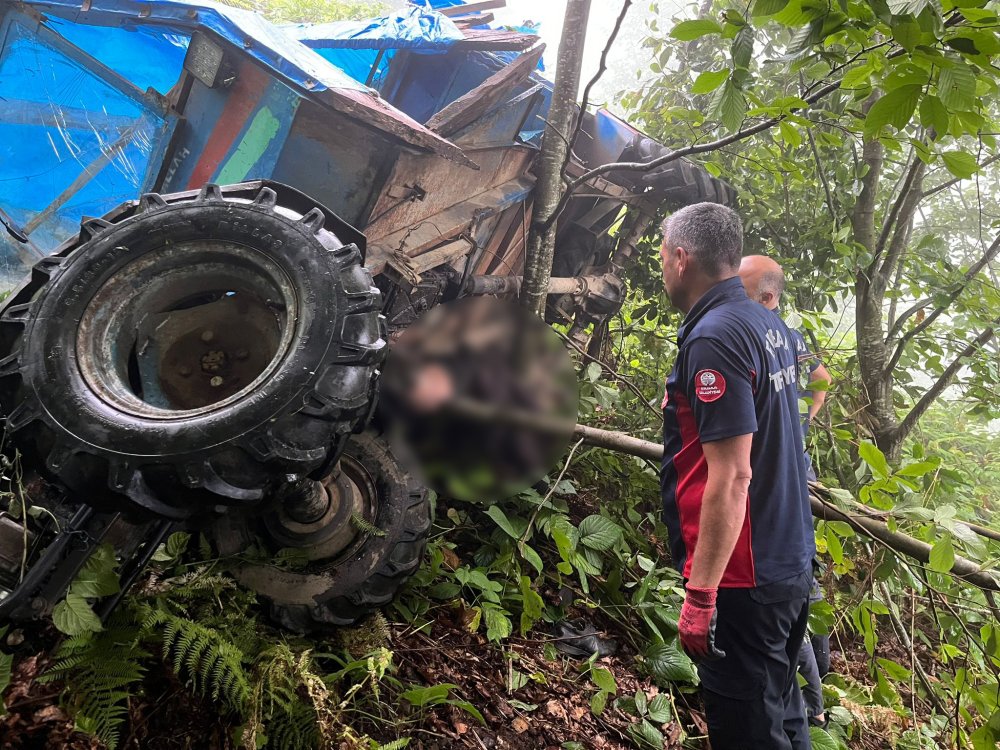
[[734, 490]]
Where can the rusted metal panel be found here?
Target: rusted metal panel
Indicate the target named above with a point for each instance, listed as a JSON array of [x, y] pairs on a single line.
[[337, 161], [495, 89], [422, 185]]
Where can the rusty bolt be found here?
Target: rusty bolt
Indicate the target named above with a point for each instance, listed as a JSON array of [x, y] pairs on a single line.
[[207, 336], [242, 354], [213, 360], [216, 381], [183, 371]]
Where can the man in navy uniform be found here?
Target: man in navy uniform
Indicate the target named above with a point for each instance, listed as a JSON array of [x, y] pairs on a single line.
[[734, 488], [764, 281]]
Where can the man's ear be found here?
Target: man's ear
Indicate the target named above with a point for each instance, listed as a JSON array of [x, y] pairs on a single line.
[[683, 260], [766, 298]]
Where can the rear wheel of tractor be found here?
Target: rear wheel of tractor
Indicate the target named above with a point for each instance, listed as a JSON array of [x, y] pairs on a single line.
[[344, 581], [190, 350]]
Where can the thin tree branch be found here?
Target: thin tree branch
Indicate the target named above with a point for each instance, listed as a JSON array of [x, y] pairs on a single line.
[[945, 185], [910, 420], [898, 219], [991, 252]]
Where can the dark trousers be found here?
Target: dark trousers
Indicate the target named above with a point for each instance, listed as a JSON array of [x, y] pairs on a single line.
[[752, 698], [812, 691]]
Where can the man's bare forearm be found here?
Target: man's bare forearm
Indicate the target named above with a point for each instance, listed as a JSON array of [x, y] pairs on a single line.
[[723, 511]]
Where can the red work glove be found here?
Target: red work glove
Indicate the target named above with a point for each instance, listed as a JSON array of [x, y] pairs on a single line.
[[696, 625]]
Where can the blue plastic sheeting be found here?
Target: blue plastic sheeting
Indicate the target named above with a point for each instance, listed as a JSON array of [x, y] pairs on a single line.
[[416, 29], [147, 56], [262, 40], [60, 157], [354, 46]]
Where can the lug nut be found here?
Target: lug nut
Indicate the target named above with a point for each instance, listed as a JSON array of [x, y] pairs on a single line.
[[216, 381], [207, 336]]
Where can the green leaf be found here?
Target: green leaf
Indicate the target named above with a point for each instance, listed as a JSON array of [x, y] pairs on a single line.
[[942, 557], [687, 31], [933, 114], [73, 616], [742, 49], [531, 556], [659, 709], [764, 8], [498, 624], [646, 736], [597, 702], [599, 533], [907, 7], [729, 106], [789, 134], [822, 740], [604, 679], [469, 709], [918, 469], [872, 456], [532, 605], [97, 577], [501, 520], [667, 664], [960, 163], [424, 696], [709, 81], [6, 668], [895, 108], [857, 77], [894, 669], [957, 87]]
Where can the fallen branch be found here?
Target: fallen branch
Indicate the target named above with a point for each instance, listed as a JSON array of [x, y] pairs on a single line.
[[819, 495], [821, 508]]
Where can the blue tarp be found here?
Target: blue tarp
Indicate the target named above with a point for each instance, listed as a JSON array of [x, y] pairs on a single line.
[[262, 40], [415, 29], [354, 46]]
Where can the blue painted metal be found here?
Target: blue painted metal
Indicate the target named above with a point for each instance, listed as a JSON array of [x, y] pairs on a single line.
[[262, 41]]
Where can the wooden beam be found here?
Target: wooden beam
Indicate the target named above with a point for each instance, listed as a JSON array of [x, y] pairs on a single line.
[[473, 7], [480, 19], [496, 39], [495, 89]]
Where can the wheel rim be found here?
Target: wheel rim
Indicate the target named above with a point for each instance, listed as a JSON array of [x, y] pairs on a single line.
[[186, 329]]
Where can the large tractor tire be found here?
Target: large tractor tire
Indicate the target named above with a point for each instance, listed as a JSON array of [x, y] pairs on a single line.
[[189, 350], [370, 541]]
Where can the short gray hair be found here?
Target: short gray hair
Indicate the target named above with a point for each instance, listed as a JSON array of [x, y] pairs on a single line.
[[773, 282], [710, 232]]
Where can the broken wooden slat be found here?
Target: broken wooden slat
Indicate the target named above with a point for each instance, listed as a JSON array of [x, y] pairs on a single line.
[[414, 239], [473, 7], [495, 89], [439, 256], [480, 19], [496, 39]]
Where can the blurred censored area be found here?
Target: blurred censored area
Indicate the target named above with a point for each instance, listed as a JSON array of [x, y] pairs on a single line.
[[479, 396]]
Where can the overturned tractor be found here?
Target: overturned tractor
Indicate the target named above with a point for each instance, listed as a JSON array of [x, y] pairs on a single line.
[[208, 356]]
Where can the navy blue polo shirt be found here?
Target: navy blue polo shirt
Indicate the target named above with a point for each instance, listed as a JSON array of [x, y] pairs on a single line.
[[736, 374]]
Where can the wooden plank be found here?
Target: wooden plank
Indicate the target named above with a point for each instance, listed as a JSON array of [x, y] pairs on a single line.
[[371, 110], [501, 126], [496, 39], [425, 185], [439, 256], [495, 89], [411, 240], [480, 19], [473, 7]]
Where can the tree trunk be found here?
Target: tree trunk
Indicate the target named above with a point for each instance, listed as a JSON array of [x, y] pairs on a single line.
[[555, 144]]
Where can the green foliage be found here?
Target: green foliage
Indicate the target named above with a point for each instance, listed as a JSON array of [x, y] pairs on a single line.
[[102, 670], [312, 11]]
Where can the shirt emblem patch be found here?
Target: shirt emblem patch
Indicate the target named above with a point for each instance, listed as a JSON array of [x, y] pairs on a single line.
[[709, 385]]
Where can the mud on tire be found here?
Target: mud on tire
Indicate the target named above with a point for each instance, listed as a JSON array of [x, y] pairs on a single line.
[[93, 389], [363, 577]]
